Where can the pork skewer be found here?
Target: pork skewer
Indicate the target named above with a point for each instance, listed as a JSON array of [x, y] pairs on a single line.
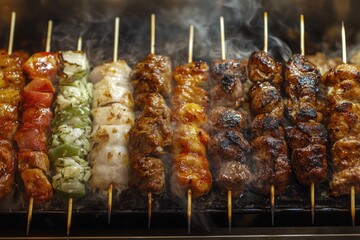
[[151, 133], [229, 150], [112, 119], [307, 137], [31, 199], [343, 126], [190, 169], [270, 160]]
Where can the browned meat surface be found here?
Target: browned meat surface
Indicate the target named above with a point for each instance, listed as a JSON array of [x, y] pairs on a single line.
[[340, 73], [190, 170], [194, 73], [152, 75], [233, 176], [347, 90], [147, 174], [153, 105], [190, 113], [149, 136], [262, 68], [271, 164], [267, 125], [228, 145], [7, 168], [227, 118], [189, 94], [304, 134], [309, 164], [227, 82], [346, 153], [36, 185], [342, 181], [265, 98], [31, 159]]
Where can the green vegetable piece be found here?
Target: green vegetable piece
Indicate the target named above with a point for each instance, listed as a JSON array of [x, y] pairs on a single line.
[[63, 150]]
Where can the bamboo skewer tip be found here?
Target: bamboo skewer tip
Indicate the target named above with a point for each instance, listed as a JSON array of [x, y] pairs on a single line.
[[12, 32], [312, 198], [272, 204], [69, 216], [222, 36], [29, 216], [152, 36], [189, 209], [110, 196], [149, 209], [229, 198], [191, 44], [302, 35], [48, 36], [352, 204], [265, 31], [116, 39]]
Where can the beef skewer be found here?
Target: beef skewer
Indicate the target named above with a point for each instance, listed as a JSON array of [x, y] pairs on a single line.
[[151, 134], [31, 199], [343, 126], [307, 137], [228, 148], [190, 168], [270, 160]]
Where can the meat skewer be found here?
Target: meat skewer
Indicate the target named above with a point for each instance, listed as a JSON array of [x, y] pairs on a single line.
[[270, 160], [190, 169], [343, 126], [228, 148], [151, 134], [307, 137], [112, 119]]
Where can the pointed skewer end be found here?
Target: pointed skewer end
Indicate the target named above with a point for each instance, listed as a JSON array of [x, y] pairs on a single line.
[[229, 210], [29, 217], [149, 209], [110, 193], [189, 209]]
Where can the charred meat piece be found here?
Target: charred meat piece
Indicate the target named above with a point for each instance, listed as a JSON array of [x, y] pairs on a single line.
[[227, 118], [271, 164], [152, 75], [229, 145], [149, 136], [190, 170], [309, 164], [233, 176], [267, 125], [147, 174], [227, 82], [262, 68]]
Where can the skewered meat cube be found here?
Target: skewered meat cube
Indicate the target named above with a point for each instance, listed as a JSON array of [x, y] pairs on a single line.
[[227, 118]]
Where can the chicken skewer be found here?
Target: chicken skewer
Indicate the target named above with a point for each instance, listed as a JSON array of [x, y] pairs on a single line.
[[112, 118], [151, 133], [270, 160], [31, 199], [307, 137], [343, 126]]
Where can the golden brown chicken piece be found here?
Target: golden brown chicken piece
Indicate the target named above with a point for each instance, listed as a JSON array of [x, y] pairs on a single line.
[[227, 82], [262, 68], [346, 153], [147, 174], [7, 168], [190, 170], [189, 94], [190, 113], [153, 105], [152, 75], [194, 73], [36, 185], [340, 73], [347, 90]]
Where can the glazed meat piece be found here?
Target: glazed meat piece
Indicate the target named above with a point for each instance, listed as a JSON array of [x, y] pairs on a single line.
[[31, 137], [8, 129], [7, 168], [147, 174], [262, 68], [33, 159], [149, 136], [267, 125], [344, 121], [346, 153], [227, 82], [40, 117], [42, 64], [187, 93], [229, 145], [347, 90], [190, 113], [190, 170], [265, 98], [190, 138], [309, 164], [303, 110], [227, 118], [271, 164], [194, 73], [36, 185], [340, 73], [306, 133], [153, 75], [233, 176], [342, 180], [153, 105]]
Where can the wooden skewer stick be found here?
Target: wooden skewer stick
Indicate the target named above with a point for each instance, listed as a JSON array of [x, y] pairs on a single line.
[[272, 187], [223, 57], [12, 32], [31, 200], [152, 51], [352, 188], [302, 51], [189, 209], [191, 43], [115, 58]]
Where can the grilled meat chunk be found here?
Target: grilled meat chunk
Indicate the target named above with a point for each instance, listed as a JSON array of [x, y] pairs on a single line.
[[7, 168], [153, 105], [190, 113], [194, 74], [267, 125], [227, 118]]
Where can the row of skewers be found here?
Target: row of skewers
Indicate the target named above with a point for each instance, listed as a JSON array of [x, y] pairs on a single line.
[[119, 146]]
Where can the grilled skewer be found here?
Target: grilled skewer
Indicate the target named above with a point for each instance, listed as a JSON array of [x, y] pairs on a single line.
[[270, 160], [307, 137]]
